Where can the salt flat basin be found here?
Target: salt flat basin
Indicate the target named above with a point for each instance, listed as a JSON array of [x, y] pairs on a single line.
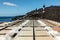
[[10, 27], [57, 29], [40, 31], [44, 38], [24, 34], [1, 27], [4, 31], [30, 31], [27, 34], [42, 34], [26, 31]]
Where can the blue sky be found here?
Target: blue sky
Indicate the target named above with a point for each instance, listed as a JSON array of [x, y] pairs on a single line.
[[20, 7]]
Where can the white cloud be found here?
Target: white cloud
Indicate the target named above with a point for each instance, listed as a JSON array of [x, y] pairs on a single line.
[[9, 4]]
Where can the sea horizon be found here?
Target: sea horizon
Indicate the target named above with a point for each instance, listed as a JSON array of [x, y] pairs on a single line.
[[6, 18]]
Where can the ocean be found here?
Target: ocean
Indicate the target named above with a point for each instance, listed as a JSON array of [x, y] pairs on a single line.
[[5, 19]]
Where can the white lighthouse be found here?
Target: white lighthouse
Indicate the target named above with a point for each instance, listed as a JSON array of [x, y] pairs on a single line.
[[43, 9]]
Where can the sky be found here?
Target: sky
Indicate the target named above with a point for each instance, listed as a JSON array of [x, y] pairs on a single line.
[[21, 7]]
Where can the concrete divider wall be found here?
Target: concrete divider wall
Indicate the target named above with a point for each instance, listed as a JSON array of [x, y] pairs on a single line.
[[54, 22], [41, 23]]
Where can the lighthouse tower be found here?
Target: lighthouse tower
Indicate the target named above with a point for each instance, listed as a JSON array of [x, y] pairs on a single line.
[[43, 9]]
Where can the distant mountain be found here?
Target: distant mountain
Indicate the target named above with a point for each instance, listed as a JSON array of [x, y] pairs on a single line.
[[52, 13]]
